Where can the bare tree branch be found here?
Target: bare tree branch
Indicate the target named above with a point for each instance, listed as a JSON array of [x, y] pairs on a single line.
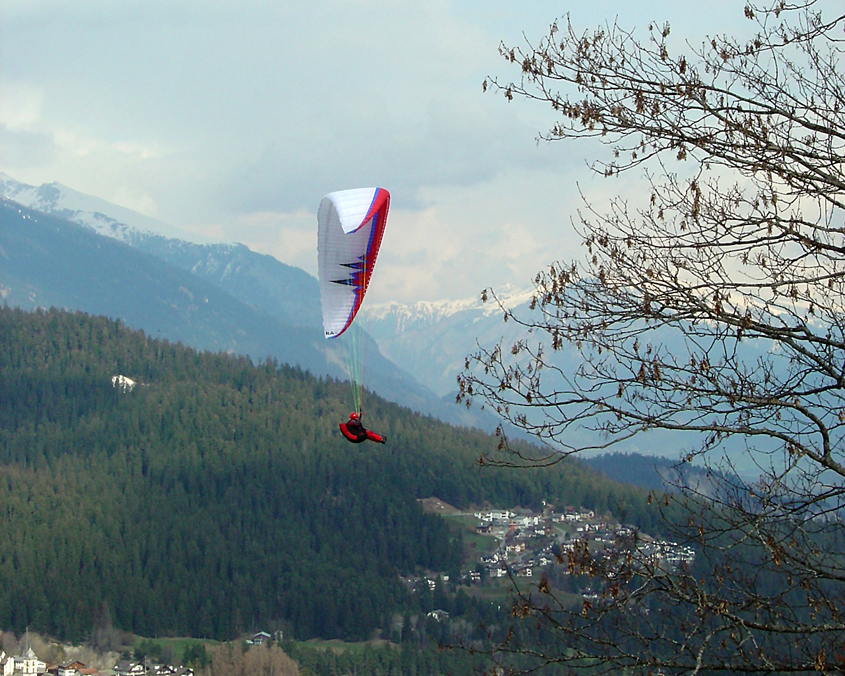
[[715, 310]]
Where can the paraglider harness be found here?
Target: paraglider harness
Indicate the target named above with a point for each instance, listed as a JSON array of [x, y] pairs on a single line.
[[355, 432]]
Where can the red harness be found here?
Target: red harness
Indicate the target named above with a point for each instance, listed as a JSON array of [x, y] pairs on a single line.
[[354, 438], [363, 435]]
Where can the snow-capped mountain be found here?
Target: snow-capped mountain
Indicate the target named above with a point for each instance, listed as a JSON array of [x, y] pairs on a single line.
[[432, 339], [423, 314], [103, 217], [248, 302]]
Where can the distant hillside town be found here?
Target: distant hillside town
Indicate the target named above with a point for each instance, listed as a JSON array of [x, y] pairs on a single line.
[[526, 543], [28, 664]]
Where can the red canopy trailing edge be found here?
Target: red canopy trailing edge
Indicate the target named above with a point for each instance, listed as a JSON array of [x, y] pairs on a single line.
[[350, 228]]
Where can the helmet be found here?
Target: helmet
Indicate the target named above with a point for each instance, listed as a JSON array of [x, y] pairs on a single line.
[[353, 416]]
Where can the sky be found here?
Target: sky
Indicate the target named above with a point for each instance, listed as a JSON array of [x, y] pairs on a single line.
[[231, 120]]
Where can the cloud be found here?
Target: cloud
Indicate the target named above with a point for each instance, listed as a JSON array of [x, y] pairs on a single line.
[[25, 150], [234, 119], [495, 233], [288, 237], [20, 105]]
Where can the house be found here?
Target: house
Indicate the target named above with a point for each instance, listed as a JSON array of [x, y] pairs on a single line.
[[127, 668], [501, 517], [438, 615], [168, 670], [7, 664], [526, 521], [29, 665], [122, 383], [70, 669], [260, 638], [74, 668]]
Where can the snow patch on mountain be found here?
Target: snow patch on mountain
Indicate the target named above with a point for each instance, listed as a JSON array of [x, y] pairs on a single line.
[[428, 313], [101, 216]]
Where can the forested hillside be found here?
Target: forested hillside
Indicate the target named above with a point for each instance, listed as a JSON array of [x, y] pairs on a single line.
[[217, 496], [211, 297], [652, 471]]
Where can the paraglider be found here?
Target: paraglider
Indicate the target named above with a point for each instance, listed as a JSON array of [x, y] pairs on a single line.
[[350, 229], [354, 430]]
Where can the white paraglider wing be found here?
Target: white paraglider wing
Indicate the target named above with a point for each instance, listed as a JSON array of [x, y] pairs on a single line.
[[350, 228]]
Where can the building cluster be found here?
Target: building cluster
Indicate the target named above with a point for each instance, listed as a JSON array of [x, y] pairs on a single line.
[[515, 555], [515, 531], [418, 584], [28, 664], [669, 553], [130, 668], [501, 522]]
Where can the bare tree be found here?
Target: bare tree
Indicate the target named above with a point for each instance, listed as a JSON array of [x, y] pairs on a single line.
[[262, 660], [713, 310]]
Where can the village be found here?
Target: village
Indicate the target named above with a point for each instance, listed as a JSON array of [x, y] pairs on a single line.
[[524, 544], [529, 541], [27, 663], [519, 543]]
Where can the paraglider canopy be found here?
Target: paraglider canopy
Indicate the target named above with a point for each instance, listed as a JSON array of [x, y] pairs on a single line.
[[350, 228]]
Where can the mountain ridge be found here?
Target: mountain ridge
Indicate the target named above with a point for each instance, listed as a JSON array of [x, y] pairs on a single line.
[[269, 288], [442, 332], [426, 311], [106, 218]]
